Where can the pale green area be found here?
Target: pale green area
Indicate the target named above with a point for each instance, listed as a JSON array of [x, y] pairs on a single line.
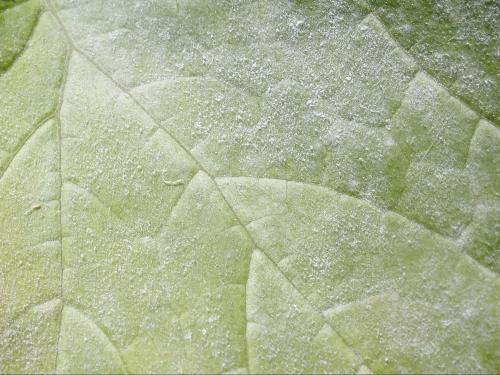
[[92, 354], [6, 4], [403, 297], [248, 187], [16, 25], [456, 41], [30, 89], [285, 332]]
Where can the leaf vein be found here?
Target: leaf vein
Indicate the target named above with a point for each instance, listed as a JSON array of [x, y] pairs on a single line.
[[101, 329], [23, 142], [312, 306], [10, 64], [424, 225], [256, 247], [214, 179], [466, 103]]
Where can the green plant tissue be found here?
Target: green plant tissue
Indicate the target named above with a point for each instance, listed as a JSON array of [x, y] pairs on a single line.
[[249, 186]]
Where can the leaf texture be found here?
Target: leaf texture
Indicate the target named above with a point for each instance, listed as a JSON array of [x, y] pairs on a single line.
[[249, 187]]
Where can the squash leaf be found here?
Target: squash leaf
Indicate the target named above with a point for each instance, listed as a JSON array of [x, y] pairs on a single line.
[[265, 186]]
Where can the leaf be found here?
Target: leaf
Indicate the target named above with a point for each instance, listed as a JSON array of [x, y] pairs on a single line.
[[249, 187]]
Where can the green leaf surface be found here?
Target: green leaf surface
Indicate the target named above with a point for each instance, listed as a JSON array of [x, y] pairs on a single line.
[[249, 186]]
